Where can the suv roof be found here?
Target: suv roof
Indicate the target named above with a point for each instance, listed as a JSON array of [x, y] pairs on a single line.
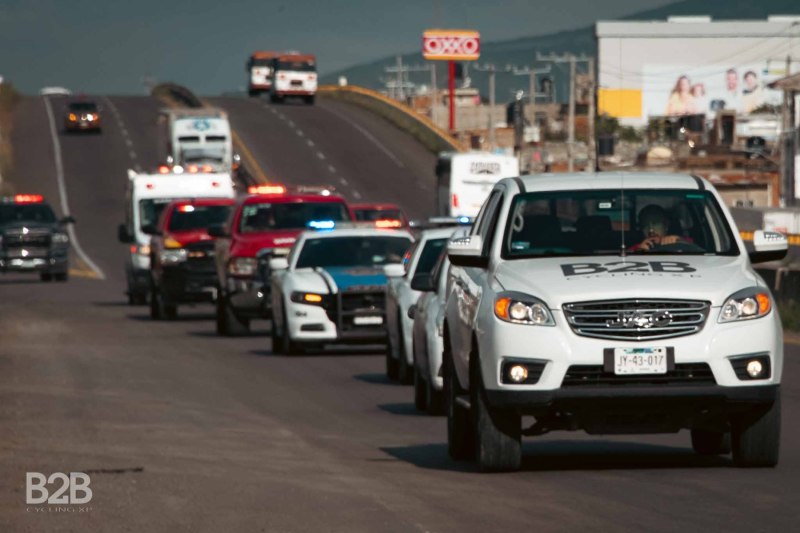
[[609, 180]]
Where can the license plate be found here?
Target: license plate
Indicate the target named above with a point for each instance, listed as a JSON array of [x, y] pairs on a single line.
[[368, 320], [640, 361]]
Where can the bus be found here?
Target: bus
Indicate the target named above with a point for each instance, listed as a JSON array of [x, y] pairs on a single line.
[[294, 74], [259, 72], [464, 180]]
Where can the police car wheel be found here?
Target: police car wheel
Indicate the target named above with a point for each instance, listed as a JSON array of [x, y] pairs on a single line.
[[434, 399], [755, 438], [711, 442], [46, 276], [460, 429], [498, 433]]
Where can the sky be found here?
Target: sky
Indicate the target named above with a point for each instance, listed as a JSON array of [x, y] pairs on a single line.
[[109, 47]]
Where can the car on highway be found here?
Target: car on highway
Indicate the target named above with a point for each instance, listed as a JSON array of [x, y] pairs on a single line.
[[262, 224], [426, 345], [332, 288], [32, 238], [383, 215], [611, 303], [146, 196], [294, 75], [419, 260], [82, 115], [182, 265]]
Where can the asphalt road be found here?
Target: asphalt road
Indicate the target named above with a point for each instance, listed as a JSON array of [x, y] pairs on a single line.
[[183, 431]]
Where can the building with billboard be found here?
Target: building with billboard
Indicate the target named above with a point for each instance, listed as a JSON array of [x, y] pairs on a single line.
[[693, 66]]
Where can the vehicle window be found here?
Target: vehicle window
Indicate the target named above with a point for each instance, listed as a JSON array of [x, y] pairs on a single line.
[[261, 62], [298, 66], [602, 222], [352, 251], [266, 216], [10, 213], [432, 251], [191, 217], [83, 106], [487, 217], [371, 215], [150, 210], [189, 139]]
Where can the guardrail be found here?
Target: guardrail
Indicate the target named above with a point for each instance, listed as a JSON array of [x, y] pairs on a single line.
[[176, 93], [420, 127]]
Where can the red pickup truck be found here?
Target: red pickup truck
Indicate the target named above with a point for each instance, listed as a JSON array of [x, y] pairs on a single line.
[[263, 224]]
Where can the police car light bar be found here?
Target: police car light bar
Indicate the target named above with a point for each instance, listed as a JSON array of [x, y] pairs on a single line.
[[388, 223], [321, 224], [266, 189], [28, 198]]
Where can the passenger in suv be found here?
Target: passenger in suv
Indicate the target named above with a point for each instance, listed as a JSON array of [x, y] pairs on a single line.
[[549, 314]]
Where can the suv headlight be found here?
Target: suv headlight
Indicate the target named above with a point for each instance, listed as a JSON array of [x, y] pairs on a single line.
[[58, 238], [753, 302], [519, 308], [242, 266], [173, 256]]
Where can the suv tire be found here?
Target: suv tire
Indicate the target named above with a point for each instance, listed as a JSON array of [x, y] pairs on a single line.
[[756, 438], [228, 324], [460, 428]]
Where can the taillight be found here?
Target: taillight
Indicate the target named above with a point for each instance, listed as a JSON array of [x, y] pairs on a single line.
[[454, 200]]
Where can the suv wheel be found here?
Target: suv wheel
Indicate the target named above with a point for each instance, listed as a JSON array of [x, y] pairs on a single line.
[[156, 305], [392, 366], [756, 438], [434, 399], [711, 442], [61, 276], [460, 429], [228, 323], [498, 433]]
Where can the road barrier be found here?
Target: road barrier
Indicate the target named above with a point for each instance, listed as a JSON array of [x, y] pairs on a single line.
[[176, 93], [420, 127]]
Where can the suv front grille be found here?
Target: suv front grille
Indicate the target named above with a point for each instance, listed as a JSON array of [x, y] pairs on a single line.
[[683, 374], [33, 240], [201, 257], [637, 319]]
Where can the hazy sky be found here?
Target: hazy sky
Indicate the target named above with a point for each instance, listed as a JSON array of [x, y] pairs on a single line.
[[108, 46]]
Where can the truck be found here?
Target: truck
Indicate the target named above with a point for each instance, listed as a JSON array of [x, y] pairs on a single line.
[[295, 75], [146, 197], [463, 180], [259, 72], [198, 139]]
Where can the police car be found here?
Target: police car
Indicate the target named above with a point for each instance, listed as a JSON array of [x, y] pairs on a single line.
[[614, 304], [32, 239], [332, 287]]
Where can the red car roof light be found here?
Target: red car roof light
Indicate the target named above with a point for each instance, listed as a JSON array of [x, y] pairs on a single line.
[[28, 198]]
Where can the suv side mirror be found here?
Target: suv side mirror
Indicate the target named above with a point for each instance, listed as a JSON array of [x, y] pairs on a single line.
[[394, 270], [278, 263], [124, 235], [217, 231], [467, 252], [768, 246], [423, 282], [69, 219]]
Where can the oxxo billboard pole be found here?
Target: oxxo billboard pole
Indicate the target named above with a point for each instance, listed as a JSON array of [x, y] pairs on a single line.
[[451, 46]]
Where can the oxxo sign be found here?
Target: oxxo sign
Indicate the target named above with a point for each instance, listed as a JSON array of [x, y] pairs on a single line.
[[57, 489], [452, 45]]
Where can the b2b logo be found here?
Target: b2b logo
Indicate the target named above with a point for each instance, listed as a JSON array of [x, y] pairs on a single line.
[[73, 489], [617, 267]]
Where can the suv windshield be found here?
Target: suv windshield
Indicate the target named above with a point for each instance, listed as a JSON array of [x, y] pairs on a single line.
[[602, 222], [266, 216], [83, 106], [352, 251], [193, 217], [11, 213]]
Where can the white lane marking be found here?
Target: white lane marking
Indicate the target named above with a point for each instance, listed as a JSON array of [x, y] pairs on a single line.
[[300, 133], [291, 123], [124, 131], [309, 142], [368, 135], [62, 190], [320, 155], [132, 155], [128, 142], [332, 169], [122, 128], [357, 195], [344, 181]]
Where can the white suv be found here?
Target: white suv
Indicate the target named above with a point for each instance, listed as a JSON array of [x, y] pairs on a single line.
[[614, 304]]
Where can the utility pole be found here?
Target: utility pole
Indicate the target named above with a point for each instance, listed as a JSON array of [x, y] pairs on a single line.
[[592, 166], [434, 94], [572, 59], [531, 73], [397, 80], [492, 70]]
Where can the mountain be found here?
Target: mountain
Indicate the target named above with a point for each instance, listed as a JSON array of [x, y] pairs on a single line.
[[522, 51]]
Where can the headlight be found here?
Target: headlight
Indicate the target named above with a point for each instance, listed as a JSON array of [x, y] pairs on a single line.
[[310, 298], [752, 302], [520, 308], [242, 266], [173, 256], [143, 249], [58, 238]]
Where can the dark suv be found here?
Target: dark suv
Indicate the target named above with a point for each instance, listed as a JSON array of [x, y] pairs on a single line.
[[32, 239]]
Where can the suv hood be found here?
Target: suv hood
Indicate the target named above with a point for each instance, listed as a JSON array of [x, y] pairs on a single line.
[[560, 280]]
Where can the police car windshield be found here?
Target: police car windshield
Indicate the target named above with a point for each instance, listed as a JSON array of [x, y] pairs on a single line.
[[194, 217], [277, 216], [604, 222], [12, 213], [352, 251]]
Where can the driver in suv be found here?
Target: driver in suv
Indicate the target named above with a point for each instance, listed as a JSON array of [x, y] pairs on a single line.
[[654, 221]]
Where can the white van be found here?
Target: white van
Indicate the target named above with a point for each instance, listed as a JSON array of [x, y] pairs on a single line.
[[465, 180], [199, 138], [145, 198]]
